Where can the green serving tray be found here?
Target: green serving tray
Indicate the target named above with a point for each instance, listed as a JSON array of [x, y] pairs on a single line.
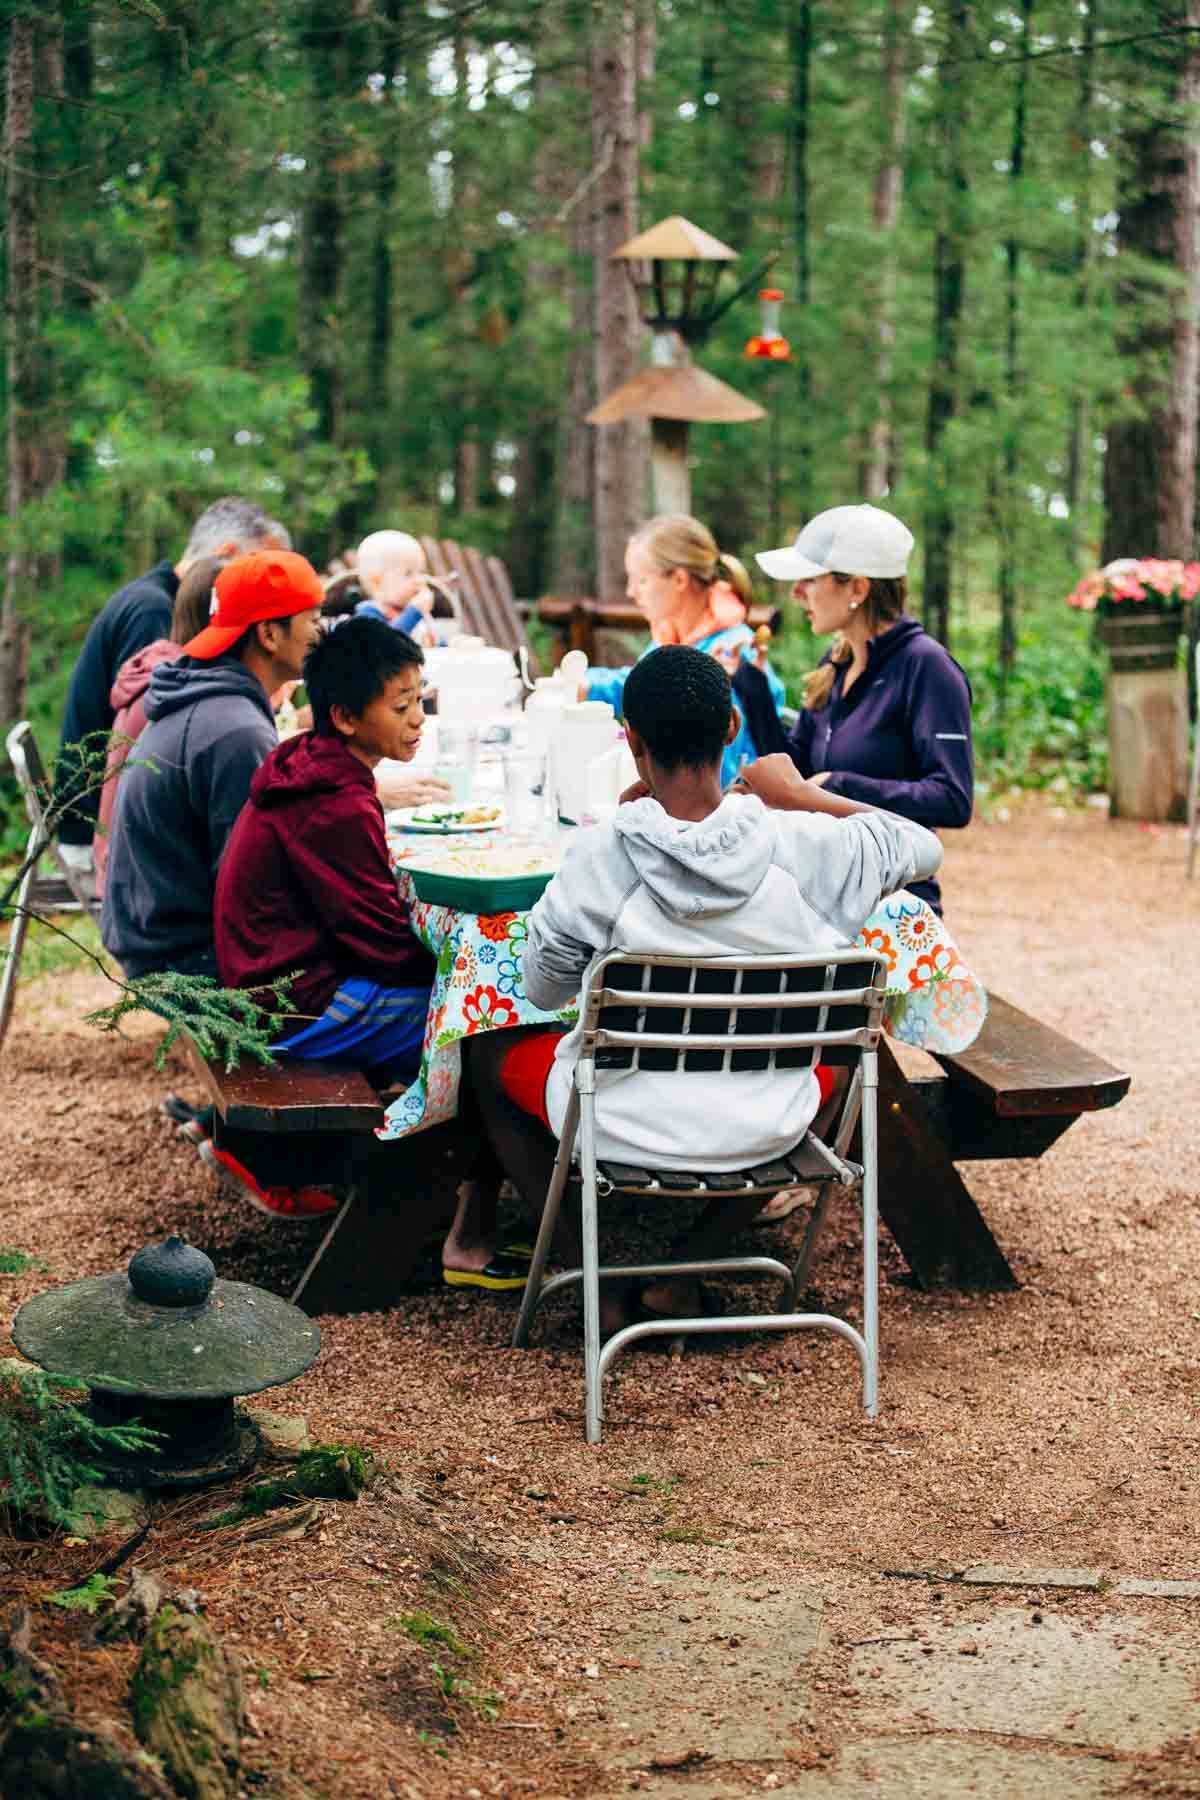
[[479, 893]]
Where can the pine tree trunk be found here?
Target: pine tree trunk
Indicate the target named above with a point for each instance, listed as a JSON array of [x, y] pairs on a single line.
[[1009, 509], [885, 216], [323, 40], [800, 59], [53, 233], [21, 343], [574, 567], [620, 449], [950, 256], [1079, 450], [1149, 463], [390, 148]]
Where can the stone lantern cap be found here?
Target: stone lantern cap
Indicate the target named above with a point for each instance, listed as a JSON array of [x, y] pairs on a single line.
[[167, 1329]]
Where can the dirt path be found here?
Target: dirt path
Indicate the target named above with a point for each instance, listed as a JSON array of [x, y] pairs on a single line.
[[714, 1578]]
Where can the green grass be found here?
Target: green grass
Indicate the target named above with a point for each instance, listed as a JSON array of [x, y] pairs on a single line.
[[48, 951]]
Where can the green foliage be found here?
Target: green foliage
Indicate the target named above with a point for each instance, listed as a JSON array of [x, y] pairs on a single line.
[[424, 375], [424, 1629], [1048, 731], [227, 1024], [47, 1442], [15, 1262], [327, 1471], [87, 1597]]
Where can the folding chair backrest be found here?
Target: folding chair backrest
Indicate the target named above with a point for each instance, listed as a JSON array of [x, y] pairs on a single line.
[[737, 1014], [30, 771], [35, 784]]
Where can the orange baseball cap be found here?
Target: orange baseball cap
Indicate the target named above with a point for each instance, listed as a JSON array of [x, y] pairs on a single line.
[[267, 584]]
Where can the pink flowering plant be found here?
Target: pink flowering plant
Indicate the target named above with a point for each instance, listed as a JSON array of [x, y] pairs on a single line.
[[1132, 579]]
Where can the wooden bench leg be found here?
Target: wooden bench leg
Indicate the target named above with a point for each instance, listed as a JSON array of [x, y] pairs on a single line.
[[922, 1198], [323, 1246], [404, 1194]]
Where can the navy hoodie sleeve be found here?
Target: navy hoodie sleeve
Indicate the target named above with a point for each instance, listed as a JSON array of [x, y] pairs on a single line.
[[942, 791], [219, 774]]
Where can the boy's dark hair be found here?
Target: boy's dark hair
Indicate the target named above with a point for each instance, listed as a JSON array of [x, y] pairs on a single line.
[[350, 667], [679, 701]]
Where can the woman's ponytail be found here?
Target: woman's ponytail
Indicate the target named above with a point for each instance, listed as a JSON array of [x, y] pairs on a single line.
[[729, 569]]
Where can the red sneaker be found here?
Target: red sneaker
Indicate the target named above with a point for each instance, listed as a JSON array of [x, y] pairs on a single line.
[[298, 1204]]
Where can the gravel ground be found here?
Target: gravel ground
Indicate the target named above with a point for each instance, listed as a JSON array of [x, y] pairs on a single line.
[[1053, 1425]]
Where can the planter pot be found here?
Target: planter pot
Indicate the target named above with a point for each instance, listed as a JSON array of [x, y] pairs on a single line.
[[1146, 694]]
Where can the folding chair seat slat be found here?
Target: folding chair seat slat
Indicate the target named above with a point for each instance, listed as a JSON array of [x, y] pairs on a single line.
[[623, 1175], [772, 1174]]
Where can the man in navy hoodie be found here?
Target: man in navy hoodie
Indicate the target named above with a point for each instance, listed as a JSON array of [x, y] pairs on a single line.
[[135, 616], [209, 727]]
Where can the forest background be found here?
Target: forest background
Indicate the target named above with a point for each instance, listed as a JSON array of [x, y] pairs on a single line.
[[351, 257]]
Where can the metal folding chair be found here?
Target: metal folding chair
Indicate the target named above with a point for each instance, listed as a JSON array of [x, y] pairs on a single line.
[[35, 785], [1193, 810], [679, 1015]]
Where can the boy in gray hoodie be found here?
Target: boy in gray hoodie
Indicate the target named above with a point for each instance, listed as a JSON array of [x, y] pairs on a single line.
[[684, 869]]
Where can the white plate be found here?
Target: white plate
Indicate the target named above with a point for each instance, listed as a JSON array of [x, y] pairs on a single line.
[[441, 820]]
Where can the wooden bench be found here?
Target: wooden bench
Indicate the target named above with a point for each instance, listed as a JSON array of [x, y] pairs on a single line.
[[1012, 1094], [314, 1122], [577, 621]]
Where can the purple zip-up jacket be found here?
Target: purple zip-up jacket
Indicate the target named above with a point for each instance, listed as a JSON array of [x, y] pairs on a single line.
[[901, 738]]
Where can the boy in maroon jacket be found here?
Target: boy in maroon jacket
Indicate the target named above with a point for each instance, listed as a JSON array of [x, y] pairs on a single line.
[[305, 886]]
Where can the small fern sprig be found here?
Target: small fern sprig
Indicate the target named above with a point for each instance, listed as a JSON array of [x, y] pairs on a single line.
[[47, 1443], [227, 1024]]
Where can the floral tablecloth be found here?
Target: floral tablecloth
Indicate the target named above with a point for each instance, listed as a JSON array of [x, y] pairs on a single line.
[[934, 1001]]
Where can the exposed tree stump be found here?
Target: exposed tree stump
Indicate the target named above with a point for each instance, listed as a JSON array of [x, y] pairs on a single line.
[[186, 1694], [44, 1755]]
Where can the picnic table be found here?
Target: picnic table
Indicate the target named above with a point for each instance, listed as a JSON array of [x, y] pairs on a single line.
[[1007, 1086], [934, 1001]]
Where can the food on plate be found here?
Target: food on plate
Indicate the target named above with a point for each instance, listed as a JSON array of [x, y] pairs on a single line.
[[458, 815]]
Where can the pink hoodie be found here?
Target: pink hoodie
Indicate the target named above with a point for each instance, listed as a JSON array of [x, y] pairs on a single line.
[[128, 698]]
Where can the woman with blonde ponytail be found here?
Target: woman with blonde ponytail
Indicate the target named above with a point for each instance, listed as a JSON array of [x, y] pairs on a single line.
[[887, 714], [690, 592]]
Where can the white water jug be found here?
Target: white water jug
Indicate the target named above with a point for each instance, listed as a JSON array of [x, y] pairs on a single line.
[[551, 693], [475, 683], [584, 731], [608, 775]]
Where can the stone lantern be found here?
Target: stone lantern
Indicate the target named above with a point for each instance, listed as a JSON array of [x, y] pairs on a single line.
[[169, 1345]]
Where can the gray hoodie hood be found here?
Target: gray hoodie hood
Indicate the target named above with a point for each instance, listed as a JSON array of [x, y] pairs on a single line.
[[177, 684], [698, 871]]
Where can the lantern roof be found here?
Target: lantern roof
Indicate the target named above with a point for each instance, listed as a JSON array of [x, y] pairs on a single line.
[[676, 239], [679, 392], [167, 1329]]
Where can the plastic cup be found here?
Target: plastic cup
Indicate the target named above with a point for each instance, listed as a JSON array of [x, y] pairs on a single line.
[[525, 792], [457, 758]]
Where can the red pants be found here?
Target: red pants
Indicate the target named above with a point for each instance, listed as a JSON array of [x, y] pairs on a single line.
[[526, 1070]]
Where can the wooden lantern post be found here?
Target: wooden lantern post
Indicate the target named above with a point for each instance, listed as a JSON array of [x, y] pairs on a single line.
[[676, 268]]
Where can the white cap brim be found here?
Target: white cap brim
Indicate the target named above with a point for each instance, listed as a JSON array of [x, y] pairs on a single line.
[[788, 565]]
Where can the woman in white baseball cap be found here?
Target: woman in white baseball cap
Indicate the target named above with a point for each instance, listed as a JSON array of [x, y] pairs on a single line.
[[886, 717]]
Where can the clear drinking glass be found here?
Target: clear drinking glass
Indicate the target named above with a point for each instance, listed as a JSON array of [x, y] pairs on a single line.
[[525, 792], [457, 758]]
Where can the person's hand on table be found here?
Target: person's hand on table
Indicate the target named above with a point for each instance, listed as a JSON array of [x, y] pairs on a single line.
[[411, 787]]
